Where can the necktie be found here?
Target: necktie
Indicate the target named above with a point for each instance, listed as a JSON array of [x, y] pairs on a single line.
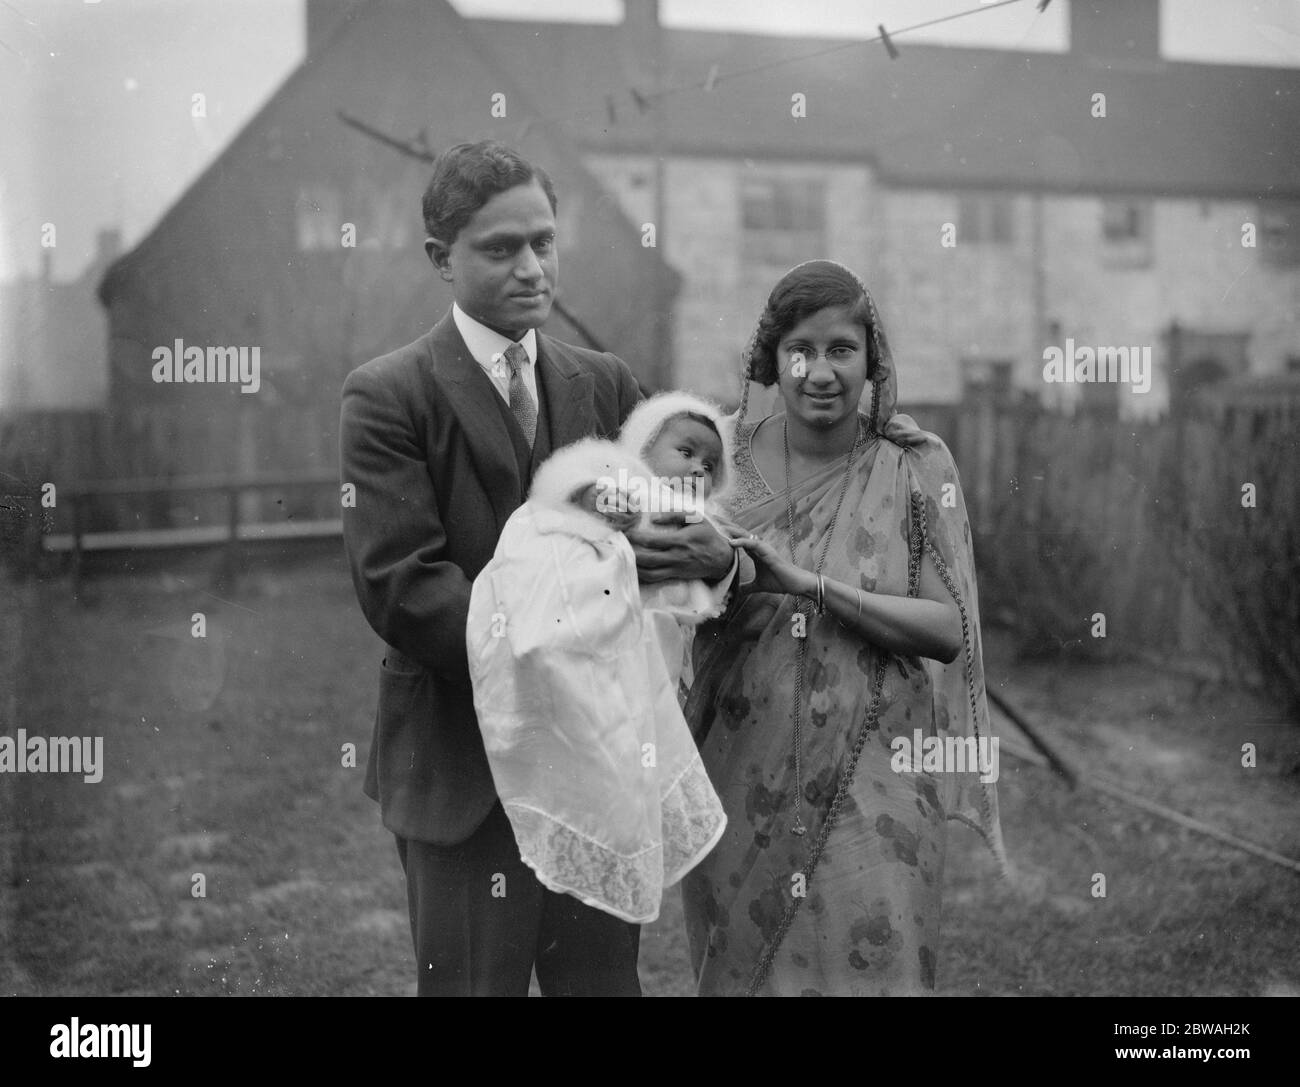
[[521, 401]]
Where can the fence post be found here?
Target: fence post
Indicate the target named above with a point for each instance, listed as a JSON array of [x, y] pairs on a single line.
[[230, 560], [77, 529], [981, 397]]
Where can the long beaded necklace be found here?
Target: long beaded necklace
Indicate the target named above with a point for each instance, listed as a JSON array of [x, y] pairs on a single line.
[[799, 830]]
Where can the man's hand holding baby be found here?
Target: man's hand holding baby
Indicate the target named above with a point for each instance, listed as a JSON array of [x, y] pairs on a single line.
[[686, 552], [679, 546]]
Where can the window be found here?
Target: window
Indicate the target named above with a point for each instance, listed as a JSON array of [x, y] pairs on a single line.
[[991, 376], [783, 221], [1126, 232], [387, 221], [320, 219], [984, 220], [1279, 241], [1124, 220]]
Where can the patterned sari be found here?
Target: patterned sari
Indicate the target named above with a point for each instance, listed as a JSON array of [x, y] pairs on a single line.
[[867, 920]]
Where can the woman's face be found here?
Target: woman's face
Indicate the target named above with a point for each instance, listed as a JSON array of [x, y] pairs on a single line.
[[822, 367]]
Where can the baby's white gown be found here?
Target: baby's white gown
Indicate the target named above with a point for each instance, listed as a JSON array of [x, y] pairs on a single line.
[[591, 756]]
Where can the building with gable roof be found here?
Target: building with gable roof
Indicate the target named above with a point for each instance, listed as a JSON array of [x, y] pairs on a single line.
[[304, 239], [996, 202]]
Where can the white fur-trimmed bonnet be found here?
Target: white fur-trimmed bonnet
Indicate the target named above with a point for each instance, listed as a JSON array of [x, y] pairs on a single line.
[[648, 418], [578, 465]]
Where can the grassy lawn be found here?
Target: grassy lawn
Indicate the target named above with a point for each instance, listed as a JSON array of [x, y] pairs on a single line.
[[223, 759]]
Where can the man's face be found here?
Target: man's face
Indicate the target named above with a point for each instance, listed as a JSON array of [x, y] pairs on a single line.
[[503, 265]]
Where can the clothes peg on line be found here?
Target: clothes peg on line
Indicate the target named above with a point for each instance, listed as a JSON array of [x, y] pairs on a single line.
[[889, 46]]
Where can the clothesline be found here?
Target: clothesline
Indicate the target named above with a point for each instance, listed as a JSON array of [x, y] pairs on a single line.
[[644, 100]]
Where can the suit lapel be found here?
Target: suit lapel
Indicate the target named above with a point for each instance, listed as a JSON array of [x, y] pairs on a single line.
[[569, 392], [472, 397]]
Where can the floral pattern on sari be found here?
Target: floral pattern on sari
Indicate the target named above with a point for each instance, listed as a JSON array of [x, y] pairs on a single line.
[[868, 921]]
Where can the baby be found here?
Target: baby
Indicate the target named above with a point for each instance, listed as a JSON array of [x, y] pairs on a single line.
[[683, 448], [685, 443], [576, 667]]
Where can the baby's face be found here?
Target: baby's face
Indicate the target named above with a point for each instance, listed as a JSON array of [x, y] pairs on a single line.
[[686, 449]]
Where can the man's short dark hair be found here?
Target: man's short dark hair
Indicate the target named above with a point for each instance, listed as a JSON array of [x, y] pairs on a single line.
[[467, 176]]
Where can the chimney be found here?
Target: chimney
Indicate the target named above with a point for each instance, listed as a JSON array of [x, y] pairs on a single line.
[[641, 16], [642, 42], [1115, 28], [323, 16]]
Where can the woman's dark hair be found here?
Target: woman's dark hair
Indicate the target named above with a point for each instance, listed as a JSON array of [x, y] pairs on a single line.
[[799, 294], [467, 176]]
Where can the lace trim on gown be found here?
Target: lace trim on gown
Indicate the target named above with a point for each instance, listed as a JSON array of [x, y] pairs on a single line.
[[628, 886]]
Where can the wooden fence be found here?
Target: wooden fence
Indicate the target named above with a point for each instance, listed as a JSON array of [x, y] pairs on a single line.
[[34, 532], [1181, 536], [1082, 523]]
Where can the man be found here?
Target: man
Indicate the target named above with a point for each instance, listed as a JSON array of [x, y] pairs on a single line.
[[440, 439]]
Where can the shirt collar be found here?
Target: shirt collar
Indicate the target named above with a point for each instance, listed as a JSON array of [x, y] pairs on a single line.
[[484, 343]]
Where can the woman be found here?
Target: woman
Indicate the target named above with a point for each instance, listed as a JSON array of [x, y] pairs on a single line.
[[828, 878]]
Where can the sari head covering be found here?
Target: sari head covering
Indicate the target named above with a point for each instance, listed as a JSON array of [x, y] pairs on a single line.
[[880, 397], [852, 907]]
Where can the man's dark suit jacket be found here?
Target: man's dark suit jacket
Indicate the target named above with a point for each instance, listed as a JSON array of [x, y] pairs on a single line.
[[439, 465]]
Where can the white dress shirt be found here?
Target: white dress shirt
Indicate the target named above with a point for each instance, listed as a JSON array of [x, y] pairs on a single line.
[[488, 346]]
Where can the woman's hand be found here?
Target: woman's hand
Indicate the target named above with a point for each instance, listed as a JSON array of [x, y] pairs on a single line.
[[776, 574], [731, 532]]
